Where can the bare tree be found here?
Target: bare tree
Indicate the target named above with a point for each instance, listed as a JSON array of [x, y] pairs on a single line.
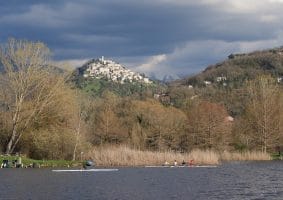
[[78, 124], [263, 111], [207, 125], [28, 90], [105, 123], [159, 127]]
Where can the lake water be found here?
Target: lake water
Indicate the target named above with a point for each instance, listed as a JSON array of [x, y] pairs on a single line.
[[237, 181]]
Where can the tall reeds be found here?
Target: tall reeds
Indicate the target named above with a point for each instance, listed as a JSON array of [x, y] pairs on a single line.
[[125, 156], [245, 156]]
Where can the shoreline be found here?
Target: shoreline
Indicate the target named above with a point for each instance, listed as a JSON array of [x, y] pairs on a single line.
[[126, 156], [123, 156]]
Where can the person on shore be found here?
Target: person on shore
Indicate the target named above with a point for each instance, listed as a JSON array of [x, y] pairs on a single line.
[[166, 163], [19, 163], [5, 164], [191, 162], [175, 163], [183, 163]]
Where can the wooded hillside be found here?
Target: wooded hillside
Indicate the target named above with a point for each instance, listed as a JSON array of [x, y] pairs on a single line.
[[52, 116]]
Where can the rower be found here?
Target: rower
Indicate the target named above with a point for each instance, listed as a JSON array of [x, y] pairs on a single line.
[[175, 163], [191, 162], [166, 163], [88, 163]]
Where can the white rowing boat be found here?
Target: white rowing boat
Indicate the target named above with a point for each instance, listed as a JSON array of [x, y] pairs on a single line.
[[84, 170], [181, 166]]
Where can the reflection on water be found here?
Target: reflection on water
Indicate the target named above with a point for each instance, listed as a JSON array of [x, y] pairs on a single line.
[[238, 180]]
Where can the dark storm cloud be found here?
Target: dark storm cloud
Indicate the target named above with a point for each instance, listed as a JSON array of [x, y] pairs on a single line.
[[162, 35]]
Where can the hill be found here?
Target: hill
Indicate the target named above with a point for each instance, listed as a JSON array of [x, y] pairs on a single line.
[[224, 83], [240, 67], [98, 75], [108, 69]]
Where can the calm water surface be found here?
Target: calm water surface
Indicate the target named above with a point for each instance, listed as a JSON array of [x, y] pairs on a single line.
[[238, 180]]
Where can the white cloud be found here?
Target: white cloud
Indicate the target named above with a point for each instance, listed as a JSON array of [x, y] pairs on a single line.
[[152, 62], [234, 6], [39, 15], [42, 15], [93, 38], [197, 55], [161, 36], [269, 18], [276, 1], [245, 6], [70, 63]]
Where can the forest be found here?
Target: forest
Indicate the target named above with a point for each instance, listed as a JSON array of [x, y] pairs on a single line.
[[45, 114]]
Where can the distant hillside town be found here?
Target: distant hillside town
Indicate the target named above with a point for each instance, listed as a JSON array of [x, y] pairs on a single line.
[[102, 68]]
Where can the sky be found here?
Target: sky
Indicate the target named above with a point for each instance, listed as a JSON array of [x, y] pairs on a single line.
[[155, 37]]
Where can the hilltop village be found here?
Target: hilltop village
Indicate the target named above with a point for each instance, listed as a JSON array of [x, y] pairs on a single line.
[[102, 68]]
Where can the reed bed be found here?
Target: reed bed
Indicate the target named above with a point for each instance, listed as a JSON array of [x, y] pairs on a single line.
[[125, 156], [205, 157], [245, 156]]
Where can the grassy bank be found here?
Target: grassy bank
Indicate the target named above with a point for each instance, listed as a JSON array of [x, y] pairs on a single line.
[[42, 163], [125, 156]]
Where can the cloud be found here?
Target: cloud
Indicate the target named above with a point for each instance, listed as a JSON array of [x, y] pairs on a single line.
[[151, 62], [161, 36], [154, 66], [276, 1], [197, 55], [48, 15], [269, 18], [70, 64]]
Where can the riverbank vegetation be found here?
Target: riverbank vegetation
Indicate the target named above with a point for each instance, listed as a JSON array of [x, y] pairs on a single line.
[[125, 156], [44, 115], [245, 156], [28, 162]]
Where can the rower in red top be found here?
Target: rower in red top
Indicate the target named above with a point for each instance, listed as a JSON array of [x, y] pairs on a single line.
[[191, 162]]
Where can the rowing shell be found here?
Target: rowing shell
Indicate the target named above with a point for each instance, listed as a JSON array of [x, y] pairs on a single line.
[[158, 166], [84, 170]]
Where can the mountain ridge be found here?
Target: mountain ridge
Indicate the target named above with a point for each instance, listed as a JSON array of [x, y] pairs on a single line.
[[239, 67]]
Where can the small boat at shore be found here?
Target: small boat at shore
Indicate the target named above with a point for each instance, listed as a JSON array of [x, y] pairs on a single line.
[[84, 170]]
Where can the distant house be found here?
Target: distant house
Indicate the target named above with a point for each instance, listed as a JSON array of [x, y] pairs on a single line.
[[232, 56], [193, 97], [229, 119], [163, 98], [207, 82], [146, 80], [221, 78]]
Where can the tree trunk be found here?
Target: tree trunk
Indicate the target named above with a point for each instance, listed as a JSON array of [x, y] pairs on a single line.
[[11, 141], [77, 139], [14, 130]]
